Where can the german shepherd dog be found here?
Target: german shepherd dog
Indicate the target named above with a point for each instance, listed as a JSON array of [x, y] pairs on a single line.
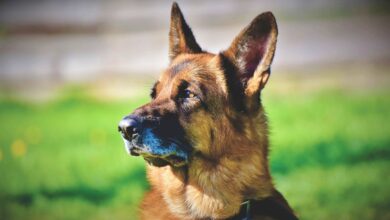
[[204, 133]]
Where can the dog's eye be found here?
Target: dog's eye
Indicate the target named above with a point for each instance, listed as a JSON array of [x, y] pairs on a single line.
[[188, 94]]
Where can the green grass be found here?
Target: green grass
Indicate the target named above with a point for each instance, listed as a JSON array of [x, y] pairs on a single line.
[[65, 160]]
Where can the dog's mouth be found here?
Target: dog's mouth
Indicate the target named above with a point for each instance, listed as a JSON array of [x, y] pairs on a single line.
[[172, 159], [160, 156]]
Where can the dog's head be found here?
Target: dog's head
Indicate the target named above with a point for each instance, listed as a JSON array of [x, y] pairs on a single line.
[[204, 104]]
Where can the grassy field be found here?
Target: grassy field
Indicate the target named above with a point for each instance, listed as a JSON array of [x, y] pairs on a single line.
[[65, 160]]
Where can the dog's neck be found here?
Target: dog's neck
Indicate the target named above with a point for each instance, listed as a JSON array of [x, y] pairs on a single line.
[[213, 189]]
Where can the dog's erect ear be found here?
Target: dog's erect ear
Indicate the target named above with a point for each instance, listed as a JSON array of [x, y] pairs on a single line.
[[181, 39], [252, 52]]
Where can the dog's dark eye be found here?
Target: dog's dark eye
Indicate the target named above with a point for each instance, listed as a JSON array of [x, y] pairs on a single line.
[[188, 94]]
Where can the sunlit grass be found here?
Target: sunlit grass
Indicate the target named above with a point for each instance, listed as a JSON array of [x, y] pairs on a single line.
[[329, 127], [358, 191], [65, 160]]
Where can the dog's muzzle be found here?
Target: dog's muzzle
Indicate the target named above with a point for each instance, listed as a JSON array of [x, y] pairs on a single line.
[[140, 139]]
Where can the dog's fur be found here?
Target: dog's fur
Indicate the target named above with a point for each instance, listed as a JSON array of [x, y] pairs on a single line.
[[222, 121]]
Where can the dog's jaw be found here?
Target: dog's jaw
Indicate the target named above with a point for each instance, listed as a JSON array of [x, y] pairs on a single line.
[[198, 192]]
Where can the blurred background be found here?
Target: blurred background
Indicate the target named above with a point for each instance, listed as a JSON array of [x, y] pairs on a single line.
[[70, 70]]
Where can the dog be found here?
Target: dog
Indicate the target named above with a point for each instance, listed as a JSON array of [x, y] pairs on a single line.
[[204, 133]]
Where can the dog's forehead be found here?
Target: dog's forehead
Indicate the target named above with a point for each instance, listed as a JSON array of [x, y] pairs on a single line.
[[178, 67], [188, 65]]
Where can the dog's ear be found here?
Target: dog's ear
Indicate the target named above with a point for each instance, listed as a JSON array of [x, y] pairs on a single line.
[[181, 39], [252, 52]]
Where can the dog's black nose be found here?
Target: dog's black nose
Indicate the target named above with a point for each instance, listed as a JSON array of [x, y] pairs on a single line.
[[129, 127]]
